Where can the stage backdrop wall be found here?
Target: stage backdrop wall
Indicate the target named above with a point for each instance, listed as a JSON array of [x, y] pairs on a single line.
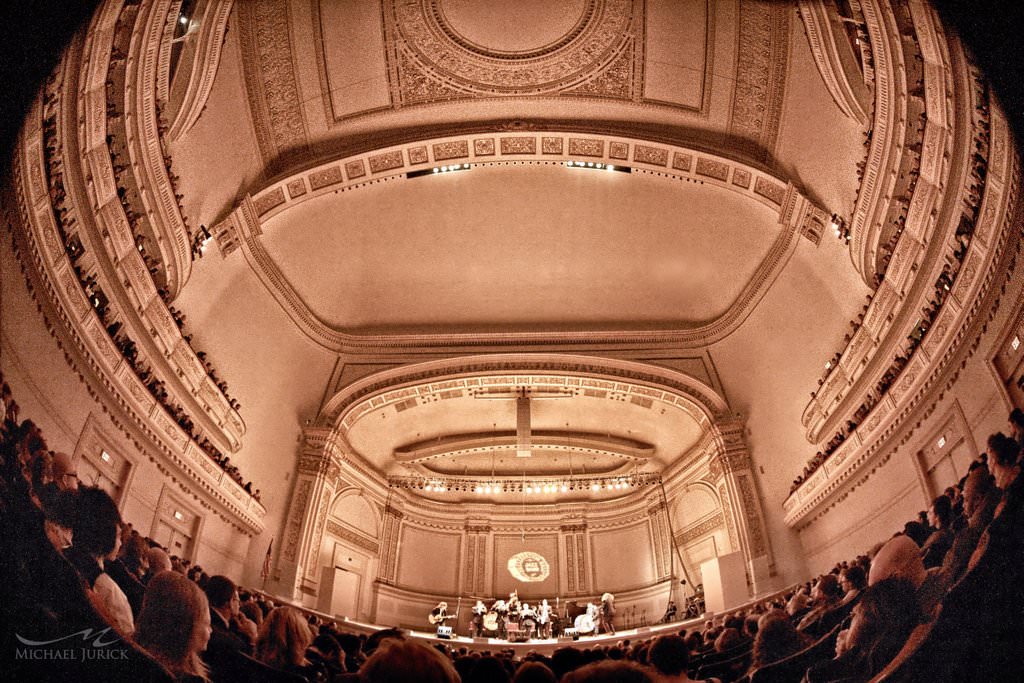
[[507, 546]]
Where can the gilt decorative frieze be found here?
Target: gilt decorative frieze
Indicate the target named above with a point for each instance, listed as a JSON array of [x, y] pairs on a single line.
[[431, 60], [761, 70]]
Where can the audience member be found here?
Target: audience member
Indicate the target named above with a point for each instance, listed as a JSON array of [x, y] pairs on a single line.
[[282, 642], [398, 659], [174, 625], [96, 541]]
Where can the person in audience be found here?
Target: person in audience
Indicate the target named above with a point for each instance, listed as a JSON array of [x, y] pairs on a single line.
[[325, 653], [282, 642], [901, 557], [609, 672], [65, 474], [1016, 420], [852, 580], [174, 625], [229, 635], [128, 568], [981, 496], [398, 659], [59, 507], [533, 672], [728, 639], [882, 621], [158, 561], [670, 658], [1003, 454], [940, 517], [96, 541], [487, 669], [776, 639], [826, 596]]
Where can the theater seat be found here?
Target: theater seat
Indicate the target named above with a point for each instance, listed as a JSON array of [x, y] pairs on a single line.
[[236, 666]]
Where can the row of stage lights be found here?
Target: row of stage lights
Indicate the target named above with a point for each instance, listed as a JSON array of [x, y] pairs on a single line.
[[510, 486], [593, 165]]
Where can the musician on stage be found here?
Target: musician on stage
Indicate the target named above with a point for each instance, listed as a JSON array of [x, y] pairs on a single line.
[[527, 620], [544, 619], [501, 609], [513, 606], [606, 616], [476, 626], [670, 612], [439, 614]]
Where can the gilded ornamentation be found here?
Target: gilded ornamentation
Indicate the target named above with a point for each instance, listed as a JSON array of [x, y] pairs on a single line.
[[355, 169], [266, 202], [458, 149], [326, 177], [298, 513], [719, 170], [430, 60], [694, 532], [483, 147], [723, 495], [418, 155], [741, 178], [586, 147], [618, 150], [650, 155], [761, 69], [551, 145], [296, 188], [681, 162], [769, 190], [386, 161], [519, 145], [346, 534], [750, 511], [271, 81]]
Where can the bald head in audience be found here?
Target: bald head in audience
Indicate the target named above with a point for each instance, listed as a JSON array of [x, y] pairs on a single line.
[[65, 474], [900, 557], [159, 561]]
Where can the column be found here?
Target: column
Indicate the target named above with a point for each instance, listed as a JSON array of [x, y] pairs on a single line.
[[315, 483], [734, 478]]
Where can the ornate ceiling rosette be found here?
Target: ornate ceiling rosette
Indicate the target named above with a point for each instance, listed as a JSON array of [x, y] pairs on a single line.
[[435, 57]]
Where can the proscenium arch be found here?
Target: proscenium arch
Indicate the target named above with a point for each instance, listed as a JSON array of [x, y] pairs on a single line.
[[797, 215], [689, 393]]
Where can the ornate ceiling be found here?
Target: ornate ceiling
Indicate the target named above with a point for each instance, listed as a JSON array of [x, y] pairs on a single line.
[[328, 114]]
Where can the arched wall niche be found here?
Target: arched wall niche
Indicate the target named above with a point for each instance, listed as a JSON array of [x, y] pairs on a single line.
[[466, 537], [354, 509]]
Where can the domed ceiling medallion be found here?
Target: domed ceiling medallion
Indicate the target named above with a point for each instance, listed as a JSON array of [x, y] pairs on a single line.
[[513, 48]]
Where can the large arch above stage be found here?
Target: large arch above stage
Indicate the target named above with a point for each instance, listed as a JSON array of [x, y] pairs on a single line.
[[421, 549]]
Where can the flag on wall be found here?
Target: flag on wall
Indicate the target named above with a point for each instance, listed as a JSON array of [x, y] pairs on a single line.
[[265, 572]]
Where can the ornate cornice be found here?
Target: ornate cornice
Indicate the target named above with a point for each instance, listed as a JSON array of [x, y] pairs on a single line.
[[885, 149], [145, 144], [346, 534], [627, 377], [208, 45], [822, 40]]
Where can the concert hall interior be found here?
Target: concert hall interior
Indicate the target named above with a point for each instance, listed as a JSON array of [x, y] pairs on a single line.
[[374, 305]]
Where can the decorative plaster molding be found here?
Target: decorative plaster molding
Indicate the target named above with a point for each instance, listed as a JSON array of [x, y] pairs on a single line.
[[208, 45], [346, 534], [822, 40], [918, 392], [272, 200]]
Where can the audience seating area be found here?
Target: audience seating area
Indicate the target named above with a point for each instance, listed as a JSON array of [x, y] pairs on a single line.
[[85, 597]]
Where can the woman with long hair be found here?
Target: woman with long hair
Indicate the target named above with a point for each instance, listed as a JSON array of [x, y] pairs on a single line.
[[174, 625], [282, 642]]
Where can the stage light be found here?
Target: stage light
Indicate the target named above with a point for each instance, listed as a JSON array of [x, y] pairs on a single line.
[[564, 488], [497, 489], [479, 489], [596, 487]]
